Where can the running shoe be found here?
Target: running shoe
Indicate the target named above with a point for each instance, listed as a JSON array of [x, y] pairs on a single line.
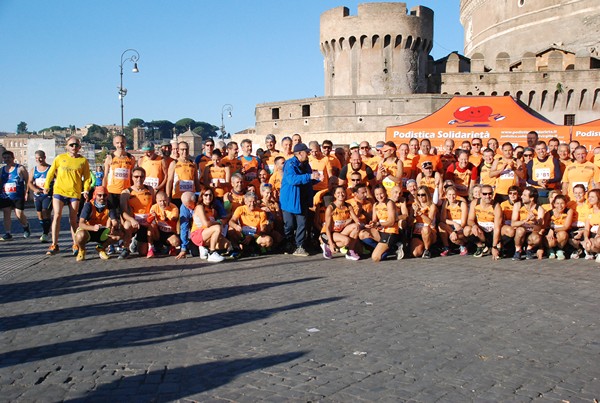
[[576, 254], [173, 251], [300, 252], [351, 255], [560, 255], [53, 250], [589, 256], [445, 251], [486, 251], [215, 257], [75, 249], [124, 254], [111, 250], [326, 251], [426, 254], [463, 250], [133, 245], [6, 237], [203, 252], [343, 250], [517, 255], [102, 253], [598, 258], [80, 256], [529, 254], [150, 253], [45, 238], [478, 252], [26, 232], [552, 254], [399, 251]]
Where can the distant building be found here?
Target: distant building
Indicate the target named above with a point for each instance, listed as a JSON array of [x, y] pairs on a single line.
[[378, 71]]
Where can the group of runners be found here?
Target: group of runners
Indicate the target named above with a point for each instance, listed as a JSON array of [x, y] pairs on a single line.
[[390, 200]]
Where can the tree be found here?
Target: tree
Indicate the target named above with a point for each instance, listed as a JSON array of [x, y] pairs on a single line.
[[22, 128], [163, 127], [182, 125], [136, 122]]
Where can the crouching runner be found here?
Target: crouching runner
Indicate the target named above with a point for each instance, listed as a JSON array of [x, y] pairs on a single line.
[[163, 228], [340, 229], [98, 223]]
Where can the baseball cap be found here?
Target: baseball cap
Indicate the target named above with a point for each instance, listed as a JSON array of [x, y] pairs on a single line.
[[354, 145], [270, 137], [300, 147], [427, 164], [165, 143], [147, 146]]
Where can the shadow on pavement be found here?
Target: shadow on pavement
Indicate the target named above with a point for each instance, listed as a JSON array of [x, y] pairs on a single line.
[[52, 287], [135, 304], [150, 334], [185, 381]]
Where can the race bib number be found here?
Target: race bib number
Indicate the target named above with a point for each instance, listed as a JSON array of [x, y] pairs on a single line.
[[164, 227], [542, 173], [153, 182], [186, 186], [339, 225], [121, 173], [418, 228], [507, 175], [40, 182], [487, 226], [141, 218], [248, 231], [10, 187], [594, 229], [216, 181]]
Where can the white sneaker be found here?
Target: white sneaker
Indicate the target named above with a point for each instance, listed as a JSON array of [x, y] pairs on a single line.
[[215, 257], [400, 251], [45, 238], [203, 252], [589, 256], [598, 258]]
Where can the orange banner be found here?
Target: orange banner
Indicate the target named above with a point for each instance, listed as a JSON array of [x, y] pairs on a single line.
[[465, 118]]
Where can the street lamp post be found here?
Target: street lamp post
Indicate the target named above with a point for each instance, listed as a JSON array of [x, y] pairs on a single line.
[[226, 108], [135, 56]]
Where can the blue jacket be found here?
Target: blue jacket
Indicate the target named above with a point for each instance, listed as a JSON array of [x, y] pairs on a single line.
[[296, 194]]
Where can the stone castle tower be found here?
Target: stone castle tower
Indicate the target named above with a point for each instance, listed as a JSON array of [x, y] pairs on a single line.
[[382, 50], [519, 26]]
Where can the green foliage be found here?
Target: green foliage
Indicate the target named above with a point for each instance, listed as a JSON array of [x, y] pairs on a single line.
[[101, 156], [98, 136], [160, 129], [22, 128], [136, 122]]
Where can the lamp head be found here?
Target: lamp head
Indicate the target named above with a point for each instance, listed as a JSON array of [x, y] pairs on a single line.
[[135, 68]]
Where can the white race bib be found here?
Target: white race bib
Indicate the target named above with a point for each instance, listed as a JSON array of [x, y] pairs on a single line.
[[152, 182], [507, 175], [542, 173], [10, 187], [121, 173], [40, 182], [486, 226], [186, 186]]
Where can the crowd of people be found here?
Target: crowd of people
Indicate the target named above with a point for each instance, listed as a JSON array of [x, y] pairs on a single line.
[[387, 201]]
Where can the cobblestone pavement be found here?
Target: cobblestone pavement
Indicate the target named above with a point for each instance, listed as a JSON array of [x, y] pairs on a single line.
[[283, 328]]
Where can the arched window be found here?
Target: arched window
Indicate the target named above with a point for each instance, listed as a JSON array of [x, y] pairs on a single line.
[[582, 98], [375, 41], [363, 39], [494, 93], [506, 93], [519, 95], [409, 42], [398, 41], [530, 98], [387, 40], [352, 41]]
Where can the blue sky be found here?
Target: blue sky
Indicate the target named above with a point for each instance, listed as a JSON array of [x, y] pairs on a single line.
[[59, 60]]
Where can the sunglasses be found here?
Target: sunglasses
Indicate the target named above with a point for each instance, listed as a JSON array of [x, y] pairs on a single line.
[[101, 195], [207, 195], [74, 145], [477, 144], [327, 147], [528, 155], [355, 180], [365, 148], [422, 194], [486, 194]]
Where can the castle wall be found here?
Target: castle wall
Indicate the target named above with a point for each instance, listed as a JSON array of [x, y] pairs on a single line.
[[560, 95], [518, 26], [381, 50], [344, 119]]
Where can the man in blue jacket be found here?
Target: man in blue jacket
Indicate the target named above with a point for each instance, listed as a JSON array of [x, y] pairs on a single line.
[[296, 196]]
